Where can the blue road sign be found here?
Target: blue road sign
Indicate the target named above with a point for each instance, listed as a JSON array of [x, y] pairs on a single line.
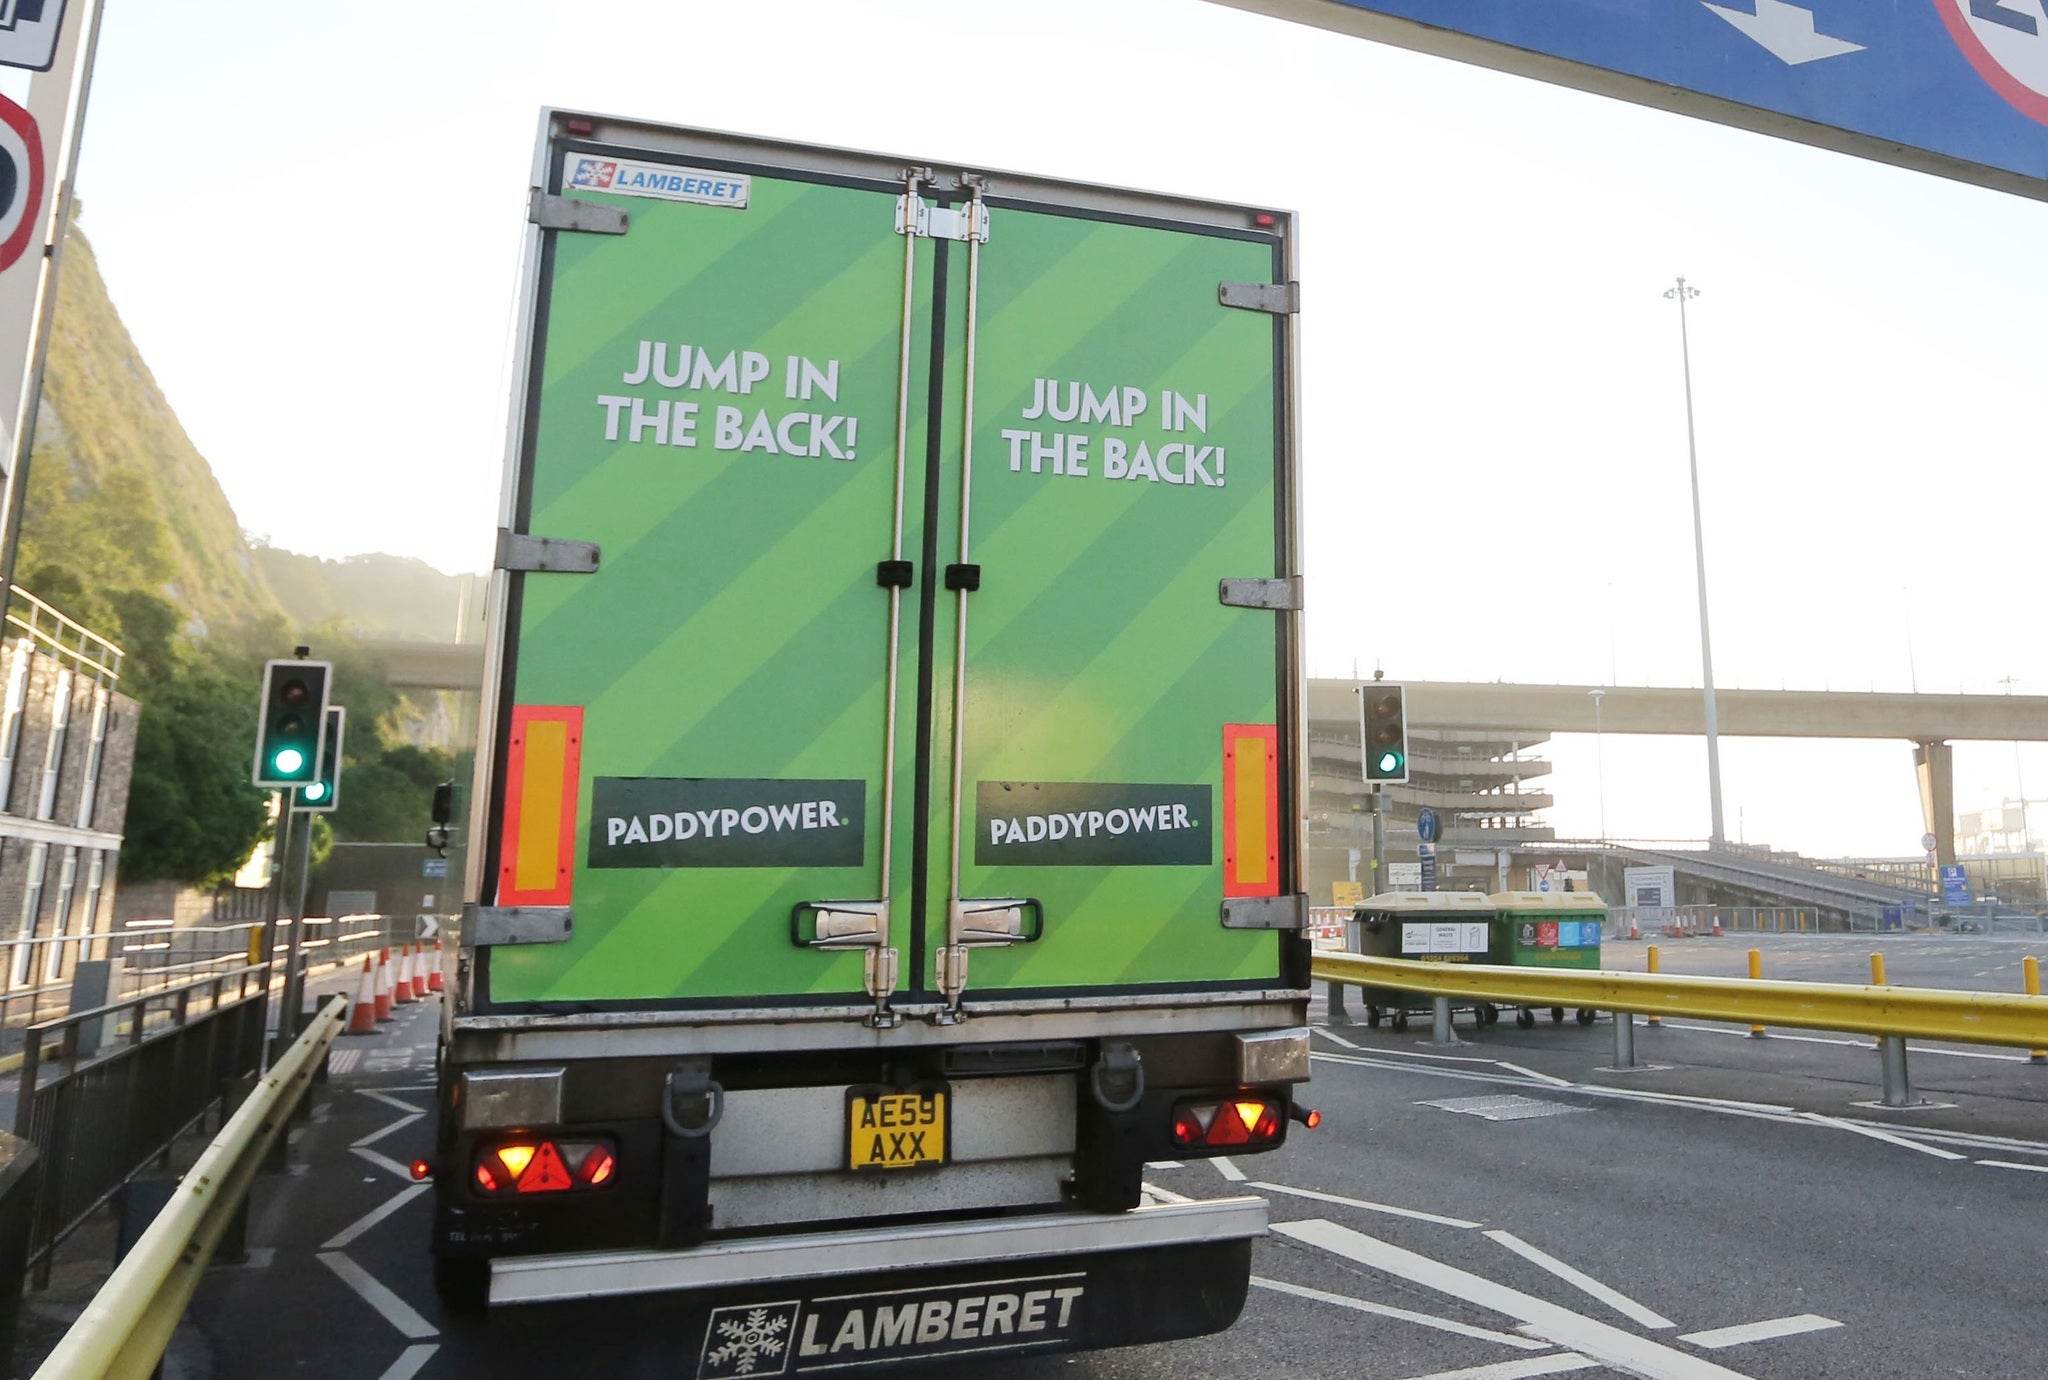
[[1955, 886], [1425, 824], [1955, 87]]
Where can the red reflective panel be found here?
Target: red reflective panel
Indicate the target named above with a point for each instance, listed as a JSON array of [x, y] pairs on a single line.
[[598, 1167], [547, 1173]]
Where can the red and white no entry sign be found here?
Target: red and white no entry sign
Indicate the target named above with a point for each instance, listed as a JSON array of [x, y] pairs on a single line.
[[2007, 42], [21, 181]]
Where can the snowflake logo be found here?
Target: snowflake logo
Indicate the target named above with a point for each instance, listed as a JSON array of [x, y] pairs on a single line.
[[750, 1340]]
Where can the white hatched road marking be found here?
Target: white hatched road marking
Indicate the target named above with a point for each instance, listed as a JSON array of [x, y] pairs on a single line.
[[2010, 1164], [1578, 1279], [403, 1171], [1403, 1314], [1333, 1037], [1603, 1342], [1516, 1370], [1164, 1195], [410, 1361], [388, 1100], [398, 1125], [344, 1061], [1227, 1169], [1886, 1136], [1364, 1206], [389, 1306], [1715, 1338], [375, 1215]]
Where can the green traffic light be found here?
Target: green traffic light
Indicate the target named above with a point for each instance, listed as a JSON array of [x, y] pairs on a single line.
[[316, 791], [289, 761], [1389, 763]]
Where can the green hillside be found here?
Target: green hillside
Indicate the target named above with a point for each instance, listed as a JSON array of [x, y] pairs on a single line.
[[374, 596]]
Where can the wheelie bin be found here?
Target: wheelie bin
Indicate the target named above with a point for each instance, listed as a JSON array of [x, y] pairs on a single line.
[[1432, 926], [1547, 929]]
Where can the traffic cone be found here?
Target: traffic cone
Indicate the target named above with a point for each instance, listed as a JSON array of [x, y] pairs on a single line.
[[434, 978], [362, 1017], [1635, 931], [384, 984], [1717, 927], [403, 978], [419, 972]]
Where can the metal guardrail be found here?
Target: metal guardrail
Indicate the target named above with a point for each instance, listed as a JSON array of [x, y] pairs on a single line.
[[124, 1330]]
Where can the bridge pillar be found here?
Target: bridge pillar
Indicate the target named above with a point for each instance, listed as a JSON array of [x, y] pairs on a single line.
[[1934, 763]]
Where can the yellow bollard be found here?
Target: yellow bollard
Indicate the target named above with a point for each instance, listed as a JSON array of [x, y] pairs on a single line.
[[2030, 972], [1756, 970], [1877, 970], [1654, 1020]]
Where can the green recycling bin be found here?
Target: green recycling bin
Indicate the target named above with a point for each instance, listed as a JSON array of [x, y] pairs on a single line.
[[1430, 926], [1547, 929]]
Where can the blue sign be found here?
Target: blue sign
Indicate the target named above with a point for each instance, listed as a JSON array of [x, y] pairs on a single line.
[[1894, 918], [1956, 87], [1425, 824], [1955, 886]]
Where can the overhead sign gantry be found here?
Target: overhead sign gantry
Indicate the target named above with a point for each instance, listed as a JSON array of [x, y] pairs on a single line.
[[1958, 88]]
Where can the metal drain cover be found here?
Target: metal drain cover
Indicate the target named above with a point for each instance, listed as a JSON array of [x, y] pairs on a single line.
[[1504, 1107]]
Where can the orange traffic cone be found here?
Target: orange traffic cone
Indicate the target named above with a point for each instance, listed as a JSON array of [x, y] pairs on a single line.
[[402, 994], [419, 972], [384, 984], [362, 1017], [434, 978]]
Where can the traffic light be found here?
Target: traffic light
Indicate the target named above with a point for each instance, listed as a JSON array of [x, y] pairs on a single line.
[[290, 717], [1383, 731], [322, 795]]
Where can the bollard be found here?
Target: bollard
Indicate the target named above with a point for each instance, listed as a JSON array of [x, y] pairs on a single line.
[[1338, 1015], [1756, 970], [1652, 1020], [1877, 970], [2030, 973], [1440, 1032], [1625, 1039], [1898, 1086]]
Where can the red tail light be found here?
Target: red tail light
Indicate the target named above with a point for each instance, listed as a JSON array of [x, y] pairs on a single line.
[[1248, 1119], [544, 1166]]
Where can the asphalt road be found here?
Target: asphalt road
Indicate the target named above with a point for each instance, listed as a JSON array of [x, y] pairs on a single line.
[[1502, 1209]]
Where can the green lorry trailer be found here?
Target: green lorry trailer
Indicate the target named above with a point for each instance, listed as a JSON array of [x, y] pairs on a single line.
[[886, 836]]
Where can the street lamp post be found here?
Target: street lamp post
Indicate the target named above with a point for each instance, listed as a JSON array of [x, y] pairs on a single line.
[[1719, 834], [1600, 756]]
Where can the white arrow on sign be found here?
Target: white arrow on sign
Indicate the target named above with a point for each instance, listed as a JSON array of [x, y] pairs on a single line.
[[1786, 31]]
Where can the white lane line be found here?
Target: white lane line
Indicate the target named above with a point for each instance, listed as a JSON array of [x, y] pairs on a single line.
[[1763, 1110], [403, 1171], [1363, 1206], [1886, 1136], [375, 1215], [1164, 1195], [1227, 1169], [389, 1306], [1918, 1048], [398, 1125], [1515, 1370], [1332, 1037], [1404, 1315], [1714, 1338], [410, 1361], [1551, 1079], [1613, 1298], [2009, 1164], [1165, 1164], [1639, 1356], [391, 1101]]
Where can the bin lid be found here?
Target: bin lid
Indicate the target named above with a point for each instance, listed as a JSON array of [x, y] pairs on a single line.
[[1547, 900], [1427, 902]]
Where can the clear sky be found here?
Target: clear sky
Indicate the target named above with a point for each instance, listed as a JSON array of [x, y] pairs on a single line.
[[310, 218]]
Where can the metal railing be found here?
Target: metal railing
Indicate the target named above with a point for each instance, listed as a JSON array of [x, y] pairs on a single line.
[[104, 1092], [124, 1330], [67, 639]]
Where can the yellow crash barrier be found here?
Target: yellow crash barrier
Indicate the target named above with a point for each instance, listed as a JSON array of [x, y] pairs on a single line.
[[1979, 1018]]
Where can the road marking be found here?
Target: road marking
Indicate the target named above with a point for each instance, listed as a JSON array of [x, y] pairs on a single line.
[[1613, 1298], [1165, 1164], [1404, 1315], [1334, 1039], [397, 1125], [390, 1101], [1363, 1206], [1164, 1195], [375, 1215], [1227, 1169], [403, 1171], [389, 1306], [1714, 1338], [1515, 1370], [2008, 1164], [410, 1361], [1603, 1342], [1549, 1078], [1886, 1136], [1918, 1048]]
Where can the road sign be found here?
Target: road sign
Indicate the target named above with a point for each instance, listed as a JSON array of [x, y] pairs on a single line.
[[1425, 825], [1954, 87], [21, 180], [28, 33], [1928, 841], [1955, 886]]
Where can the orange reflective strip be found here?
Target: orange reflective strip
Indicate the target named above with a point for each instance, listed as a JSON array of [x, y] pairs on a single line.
[[1251, 810], [536, 858]]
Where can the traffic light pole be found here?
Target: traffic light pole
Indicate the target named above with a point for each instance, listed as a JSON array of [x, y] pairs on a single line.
[[280, 859], [295, 957], [1339, 1014]]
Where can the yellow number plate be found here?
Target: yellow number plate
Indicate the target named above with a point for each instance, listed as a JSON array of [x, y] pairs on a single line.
[[896, 1128]]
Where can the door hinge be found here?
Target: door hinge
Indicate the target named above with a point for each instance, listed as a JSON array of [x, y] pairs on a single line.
[[837, 926], [522, 551], [1281, 299], [1266, 912], [567, 213], [485, 927], [916, 216], [1283, 592]]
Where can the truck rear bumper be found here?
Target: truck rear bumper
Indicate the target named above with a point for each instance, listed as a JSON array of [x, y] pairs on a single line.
[[872, 1251]]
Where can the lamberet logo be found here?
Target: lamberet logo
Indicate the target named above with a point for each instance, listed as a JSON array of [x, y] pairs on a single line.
[[593, 172], [664, 181]]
